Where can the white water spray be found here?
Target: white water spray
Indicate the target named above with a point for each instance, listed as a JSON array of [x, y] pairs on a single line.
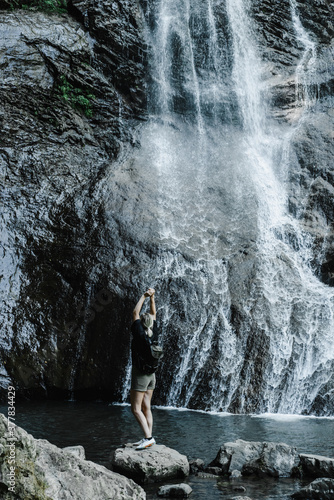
[[290, 305], [221, 194]]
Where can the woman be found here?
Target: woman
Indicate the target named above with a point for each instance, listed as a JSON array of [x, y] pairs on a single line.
[[142, 385]]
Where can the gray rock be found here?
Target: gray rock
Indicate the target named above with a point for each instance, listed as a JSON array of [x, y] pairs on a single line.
[[42, 470], [154, 464], [181, 490], [320, 489], [316, 466], [233, 456], [276, 460], [259, 458], [196, 465], [236, 473], [78, 451]]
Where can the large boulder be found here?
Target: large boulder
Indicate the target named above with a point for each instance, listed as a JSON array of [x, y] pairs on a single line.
[[35, 469], [154, 464], [320, 489], [316, 466], [258, 458]]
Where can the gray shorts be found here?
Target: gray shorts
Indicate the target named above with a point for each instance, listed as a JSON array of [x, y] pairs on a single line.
[[140, 381]]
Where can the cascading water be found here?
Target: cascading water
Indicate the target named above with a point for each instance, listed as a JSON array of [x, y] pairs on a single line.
[[290, 305], [221, 166]]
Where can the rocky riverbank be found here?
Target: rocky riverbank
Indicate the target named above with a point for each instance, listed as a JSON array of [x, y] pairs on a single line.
[[35, 469]]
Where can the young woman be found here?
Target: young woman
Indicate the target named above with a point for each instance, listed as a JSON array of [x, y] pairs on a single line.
[[142, 384]]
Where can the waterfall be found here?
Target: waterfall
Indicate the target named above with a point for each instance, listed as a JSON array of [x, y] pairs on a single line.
[[226, 237], [290, 305], [306, 74]]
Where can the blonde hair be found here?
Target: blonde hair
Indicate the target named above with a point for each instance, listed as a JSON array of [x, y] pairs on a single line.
[[147, 322]]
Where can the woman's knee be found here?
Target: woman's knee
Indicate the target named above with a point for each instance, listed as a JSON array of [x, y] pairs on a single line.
[[145, 407], [135, 407], [146, 404], [136, 400]]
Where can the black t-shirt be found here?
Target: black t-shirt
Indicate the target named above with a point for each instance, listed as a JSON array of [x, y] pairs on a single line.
[[139, 345]]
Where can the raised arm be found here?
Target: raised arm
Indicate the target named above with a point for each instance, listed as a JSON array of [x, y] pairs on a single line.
[[136, 312], [152, 304], [139, 305]]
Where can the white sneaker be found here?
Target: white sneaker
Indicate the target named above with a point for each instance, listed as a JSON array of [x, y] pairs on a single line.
[[139, 442], [146, 443]]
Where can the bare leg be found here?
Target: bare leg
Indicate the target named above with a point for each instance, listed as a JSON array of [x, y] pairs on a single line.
[[146, 408], [137, 398]]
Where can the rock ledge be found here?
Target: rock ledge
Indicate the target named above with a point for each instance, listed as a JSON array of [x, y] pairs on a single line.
[[258, 458], [154, 464]]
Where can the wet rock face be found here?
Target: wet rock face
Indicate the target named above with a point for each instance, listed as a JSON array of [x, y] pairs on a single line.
[[320, 25], [63, 123], [117, 28]]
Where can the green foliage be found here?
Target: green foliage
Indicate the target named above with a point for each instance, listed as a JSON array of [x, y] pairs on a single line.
[[78, 98], [59, 6]]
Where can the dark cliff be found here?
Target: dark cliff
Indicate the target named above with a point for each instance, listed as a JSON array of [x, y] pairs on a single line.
[[66, 114]]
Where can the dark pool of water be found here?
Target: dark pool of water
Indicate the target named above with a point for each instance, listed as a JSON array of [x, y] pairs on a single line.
[[100, 428]]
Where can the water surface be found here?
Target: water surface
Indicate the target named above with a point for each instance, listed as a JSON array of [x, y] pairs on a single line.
[[101, 427]]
